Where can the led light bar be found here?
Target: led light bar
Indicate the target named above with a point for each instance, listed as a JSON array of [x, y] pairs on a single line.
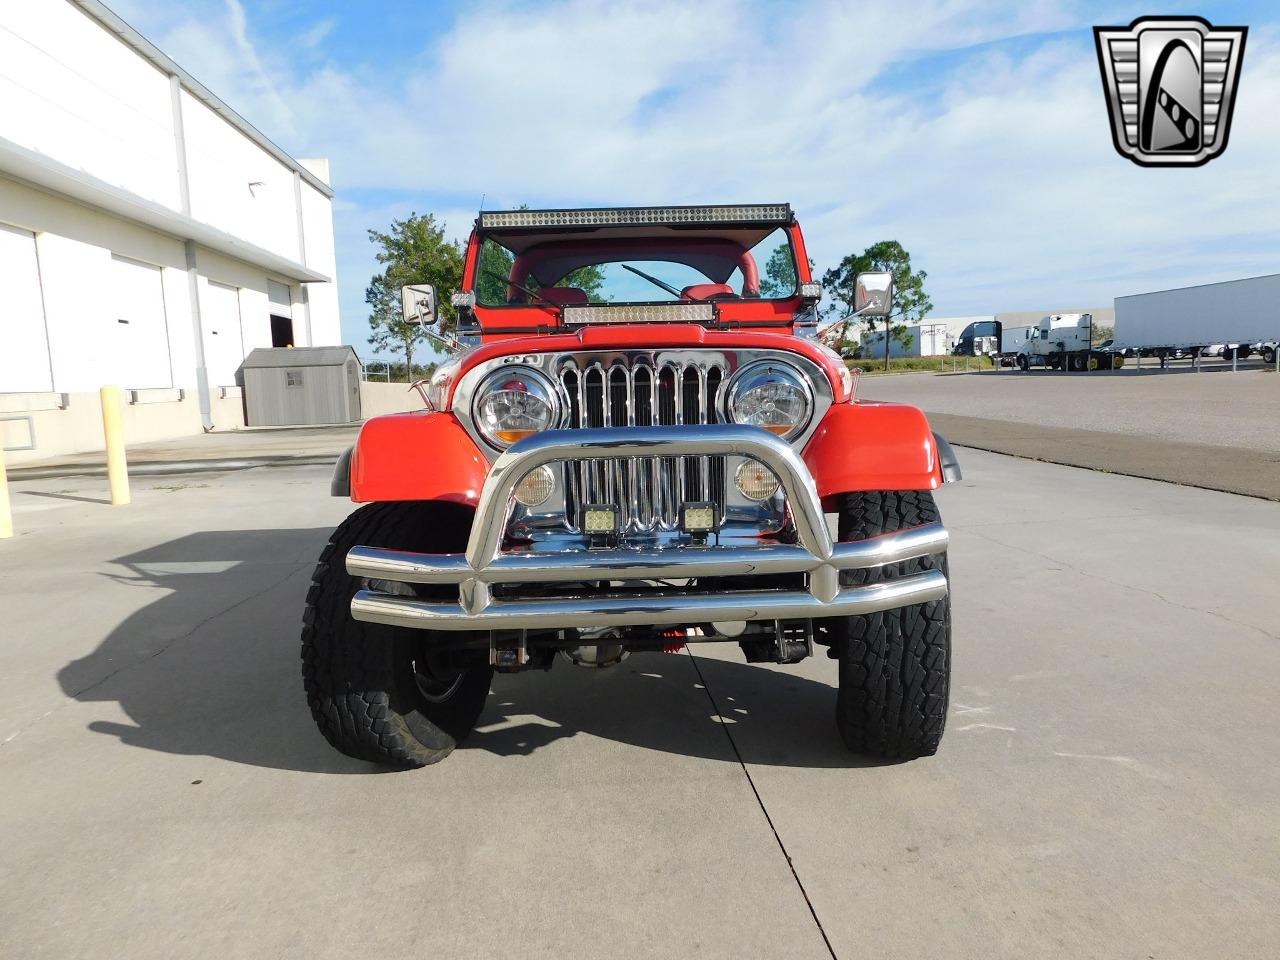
[[640, 313], [637, 216]]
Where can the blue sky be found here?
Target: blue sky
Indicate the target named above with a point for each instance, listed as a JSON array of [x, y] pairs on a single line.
[[974, 133]]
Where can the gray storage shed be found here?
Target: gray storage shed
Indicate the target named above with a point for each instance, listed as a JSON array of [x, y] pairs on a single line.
[[291, 386]]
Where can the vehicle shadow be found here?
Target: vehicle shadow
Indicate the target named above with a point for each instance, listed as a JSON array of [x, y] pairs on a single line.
[[211, 668]]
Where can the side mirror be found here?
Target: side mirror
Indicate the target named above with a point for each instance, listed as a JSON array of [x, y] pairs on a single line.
[[418, 303], [873, 294]]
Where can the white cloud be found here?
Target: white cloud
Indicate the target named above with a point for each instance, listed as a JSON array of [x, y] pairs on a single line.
[[986, 155]]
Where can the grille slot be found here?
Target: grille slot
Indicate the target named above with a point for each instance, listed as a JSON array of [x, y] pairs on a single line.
[[648, 491]]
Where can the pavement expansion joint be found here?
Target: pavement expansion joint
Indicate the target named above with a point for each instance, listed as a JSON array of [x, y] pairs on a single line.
[[733, 745]]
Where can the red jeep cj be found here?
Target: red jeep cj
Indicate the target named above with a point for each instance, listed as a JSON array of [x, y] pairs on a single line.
[[641, 445]]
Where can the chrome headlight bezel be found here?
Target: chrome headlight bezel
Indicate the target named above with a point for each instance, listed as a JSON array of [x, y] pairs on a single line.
[[760, 373], [536, 383]]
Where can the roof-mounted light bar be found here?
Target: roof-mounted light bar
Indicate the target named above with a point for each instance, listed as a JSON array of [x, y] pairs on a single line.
[[636, 216], [640, 313]]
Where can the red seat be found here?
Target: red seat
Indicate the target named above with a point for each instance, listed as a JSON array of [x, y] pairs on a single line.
[[564, 296], [707, 291]]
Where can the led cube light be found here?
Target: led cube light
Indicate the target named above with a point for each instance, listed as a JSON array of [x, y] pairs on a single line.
[[698, 517], [598, 519]]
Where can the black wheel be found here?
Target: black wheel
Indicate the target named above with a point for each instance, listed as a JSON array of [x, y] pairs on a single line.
[[379, 693], [895, 666], [1227, 353], [1023, 364], [1269, 355]]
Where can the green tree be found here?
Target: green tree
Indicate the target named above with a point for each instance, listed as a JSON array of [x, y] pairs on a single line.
[[779, 278], [910, 302], [413, 250]]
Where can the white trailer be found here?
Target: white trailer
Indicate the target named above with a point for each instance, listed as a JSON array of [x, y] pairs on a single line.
[[1011, 341], [1242, 316]]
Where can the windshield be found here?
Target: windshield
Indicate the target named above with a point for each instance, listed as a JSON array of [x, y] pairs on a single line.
[[675, 267]]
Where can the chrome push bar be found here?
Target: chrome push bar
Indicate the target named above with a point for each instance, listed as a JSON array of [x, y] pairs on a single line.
[[482, 566]]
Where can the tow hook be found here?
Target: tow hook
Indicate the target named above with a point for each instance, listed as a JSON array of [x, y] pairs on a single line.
[[508, 650], [792, 642]]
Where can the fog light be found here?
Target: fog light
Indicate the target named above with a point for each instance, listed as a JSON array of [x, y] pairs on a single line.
[[599, 519], [755, 481], [698, 517], [536, 487]]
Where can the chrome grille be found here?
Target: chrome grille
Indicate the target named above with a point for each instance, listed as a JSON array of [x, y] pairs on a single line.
[[647, 491]]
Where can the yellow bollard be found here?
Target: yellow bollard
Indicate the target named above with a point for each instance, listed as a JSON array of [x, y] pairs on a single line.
[[6, 515], [113, 430]]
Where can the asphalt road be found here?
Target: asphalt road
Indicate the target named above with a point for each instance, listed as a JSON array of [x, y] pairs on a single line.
[[1107, 786], [1214, 408], [1215, 430]]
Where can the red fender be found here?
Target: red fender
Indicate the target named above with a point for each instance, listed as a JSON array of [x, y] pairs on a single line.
[[858, 446], [873, 446], [417, 456]]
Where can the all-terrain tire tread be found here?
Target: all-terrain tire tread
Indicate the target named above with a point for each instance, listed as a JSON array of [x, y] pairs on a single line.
[[348, 666], [894, 666]]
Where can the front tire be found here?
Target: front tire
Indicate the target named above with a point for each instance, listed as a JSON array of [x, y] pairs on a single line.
[[895, 666], [382, 693]]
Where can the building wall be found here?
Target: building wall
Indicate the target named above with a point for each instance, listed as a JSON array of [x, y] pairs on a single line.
[[88, 297], [74, 92], [71, 275], [70, 424], [71, 90]]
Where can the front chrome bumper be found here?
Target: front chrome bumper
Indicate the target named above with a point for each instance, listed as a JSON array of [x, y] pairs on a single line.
[[483, 566]]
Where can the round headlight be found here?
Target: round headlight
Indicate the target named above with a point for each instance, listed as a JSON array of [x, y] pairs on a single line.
[[515, 403], [771, 395]]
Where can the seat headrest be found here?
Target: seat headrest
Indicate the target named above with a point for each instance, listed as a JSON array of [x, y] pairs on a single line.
[[707, 291]]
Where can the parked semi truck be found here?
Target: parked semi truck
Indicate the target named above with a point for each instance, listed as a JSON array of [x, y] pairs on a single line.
[[1236, 318], [979, 339], [1063, 341]]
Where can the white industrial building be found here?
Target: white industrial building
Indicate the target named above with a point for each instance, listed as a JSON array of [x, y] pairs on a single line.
[[150, 237]]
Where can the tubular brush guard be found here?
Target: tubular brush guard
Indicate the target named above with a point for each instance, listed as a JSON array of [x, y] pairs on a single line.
[[483, 566]]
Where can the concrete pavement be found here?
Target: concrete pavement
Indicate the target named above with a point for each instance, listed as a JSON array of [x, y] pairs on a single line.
[[209, 452], [1106, 786]]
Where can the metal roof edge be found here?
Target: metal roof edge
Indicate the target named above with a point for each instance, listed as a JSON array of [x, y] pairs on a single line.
[[52, 176], [127, 34]]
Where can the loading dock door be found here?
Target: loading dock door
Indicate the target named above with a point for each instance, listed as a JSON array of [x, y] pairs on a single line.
[[140, 332], [223, 338], [24, 343]]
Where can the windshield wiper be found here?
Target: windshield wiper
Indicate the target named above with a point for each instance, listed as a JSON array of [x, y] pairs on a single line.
[[679, 295], [509, 282]]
